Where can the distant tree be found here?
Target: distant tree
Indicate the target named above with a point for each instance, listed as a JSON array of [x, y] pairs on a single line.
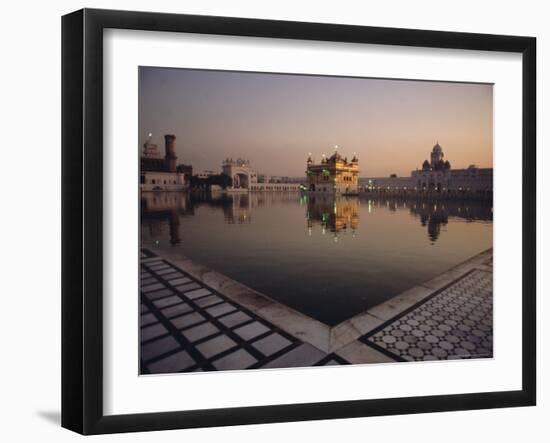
[[222, 180], [393, 175], [197, 182]]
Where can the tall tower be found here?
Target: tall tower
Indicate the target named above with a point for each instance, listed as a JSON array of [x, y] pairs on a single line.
[[170, 156], [436, 156]]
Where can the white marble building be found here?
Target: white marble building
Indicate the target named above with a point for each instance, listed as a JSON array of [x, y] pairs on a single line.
[[437, 175], [242, 175], [246, 179], [158, 173]]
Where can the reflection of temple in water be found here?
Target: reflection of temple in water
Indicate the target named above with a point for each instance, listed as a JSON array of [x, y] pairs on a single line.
[[236, 208], [435, 214], [333, 213], [434, 218], [152, 202], [170, 206], [155, 206]]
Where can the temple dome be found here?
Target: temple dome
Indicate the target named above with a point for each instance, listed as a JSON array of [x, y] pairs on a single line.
[[437, 149]]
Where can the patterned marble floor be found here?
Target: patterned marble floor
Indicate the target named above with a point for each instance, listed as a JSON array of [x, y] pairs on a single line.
[[455, 322], [186, 326]]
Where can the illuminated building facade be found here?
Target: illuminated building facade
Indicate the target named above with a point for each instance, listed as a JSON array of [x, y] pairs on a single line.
[[335, 175]]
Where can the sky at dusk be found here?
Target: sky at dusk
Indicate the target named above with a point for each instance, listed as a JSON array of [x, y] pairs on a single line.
[[275, 120]]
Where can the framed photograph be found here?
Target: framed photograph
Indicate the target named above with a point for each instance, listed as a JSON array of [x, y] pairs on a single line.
[[269, 221]]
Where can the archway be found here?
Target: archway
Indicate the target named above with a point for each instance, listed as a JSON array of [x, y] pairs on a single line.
[[240, 181]]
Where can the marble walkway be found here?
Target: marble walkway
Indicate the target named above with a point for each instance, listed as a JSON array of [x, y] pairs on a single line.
[[187, 325]]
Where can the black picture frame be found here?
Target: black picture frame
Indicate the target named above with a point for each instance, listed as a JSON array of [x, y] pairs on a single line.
[[82, 218]]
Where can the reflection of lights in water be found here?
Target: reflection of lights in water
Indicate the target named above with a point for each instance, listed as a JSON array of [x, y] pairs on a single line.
[[309, 231], [324, 230], [335, 238], [370, 206]]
